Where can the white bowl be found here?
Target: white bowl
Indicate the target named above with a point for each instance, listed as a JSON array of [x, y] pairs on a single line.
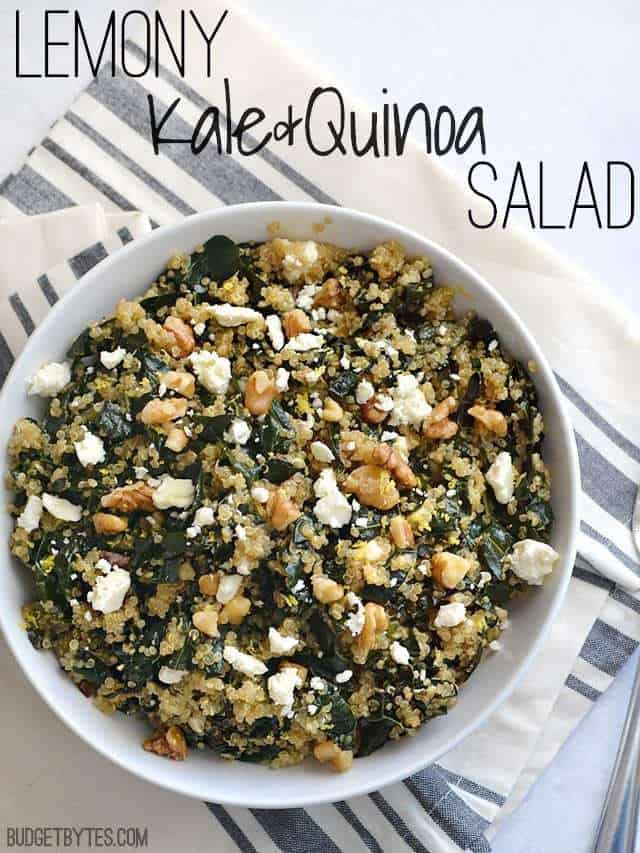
[[204, 775]]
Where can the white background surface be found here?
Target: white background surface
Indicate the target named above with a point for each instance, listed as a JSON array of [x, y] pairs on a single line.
[[557, 83]]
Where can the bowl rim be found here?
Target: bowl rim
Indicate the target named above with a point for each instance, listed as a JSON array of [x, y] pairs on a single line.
[[339, 788]]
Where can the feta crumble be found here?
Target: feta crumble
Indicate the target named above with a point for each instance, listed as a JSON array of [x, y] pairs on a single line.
[[532, 561], [450, 615], [50, 379], [399, 653], [332, 507], [112, 359], [246, 664], [260, 494], [167, 675], [109, 590], [500, 478], [173, 492], [409, 404], [281, 687], [364, 392], [304, 342], [239, 432], [204, 516], [234, 315], [321, 452], [212, 370], [344, 676], [90, 449], [274, 328], [279, 644], [61, 508], [228, 588], [282, 379], [29, 518]]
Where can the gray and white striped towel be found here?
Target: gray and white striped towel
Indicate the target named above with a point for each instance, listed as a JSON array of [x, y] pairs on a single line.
[[99, 152]]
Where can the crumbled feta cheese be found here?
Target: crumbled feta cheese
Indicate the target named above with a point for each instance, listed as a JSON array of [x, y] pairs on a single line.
[[112, 359], [384, 403], [234, 315], [50, 379], [317, 683], [281, 687], [90, 449], [241, 533], [274, 328], [485, 577], [312, 709], [213, 371], [450, 615], [532, 561], [298, 586], [109, 590], [162, 389], [306, 297], [167, 675], [246, 664], [140, 472], [321, 452], [204, 516], [388, 435], [193, 531], [355, 620], [399, 653], [199, 328], [364, 391], [492, 345], [29, 518], [332, 507], [495, 646], [279, 644], [173, 492], [344, 676], [239, 432], [228, 588], [500, 478], [409, 404], [260, 494], [304, 342], [61, 508], [87, 615], [282, 379], [345, 362], [103, 565]]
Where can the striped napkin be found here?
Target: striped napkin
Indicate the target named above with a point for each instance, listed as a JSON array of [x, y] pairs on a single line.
[[99, 157]]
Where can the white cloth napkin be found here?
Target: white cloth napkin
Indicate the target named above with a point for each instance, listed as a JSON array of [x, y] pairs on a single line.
[[100, 150]]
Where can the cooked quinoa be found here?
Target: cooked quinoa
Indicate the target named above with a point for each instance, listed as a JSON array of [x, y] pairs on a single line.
[[279, 504]]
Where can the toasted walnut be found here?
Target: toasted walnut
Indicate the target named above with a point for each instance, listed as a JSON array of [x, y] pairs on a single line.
[[373, 486], [162, 411], [438, 424], [372, 414], [332, 412], [208, 584], [295, 323], [282, 510], [180, 381], [330, 295], [259, 392], [130, 498], [357, 447], [177, 439], [449, 569], [328, 752], [182, 334], [234, 611], [401, 532], [493, 420], [206, 621], [326, 590], [103, 522], [169, 743], [375, 620]]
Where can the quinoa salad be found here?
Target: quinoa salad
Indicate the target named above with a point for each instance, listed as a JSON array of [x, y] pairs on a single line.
[[278, 505]]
